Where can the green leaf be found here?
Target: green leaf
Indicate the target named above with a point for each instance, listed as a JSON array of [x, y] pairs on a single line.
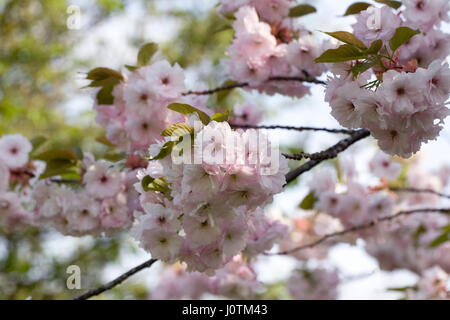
[[187, 109], [418, 233], [345, 52], [99, 74], [67, 155], [390, 3], [146, 53], [403, 289], [308, 202], [57, 168], [105, 141], [104, 95], [131, 68], [401, 36], [223, 94], [166, 149], [375, 47], [348, 38], [146, 181], [159, 184], [220, 117], [356, 8], [301, 10], [444, 237], [106, 79], [58, 162], [114, 156], [177, 130], [359, 68], [37, 142], [78, 152]]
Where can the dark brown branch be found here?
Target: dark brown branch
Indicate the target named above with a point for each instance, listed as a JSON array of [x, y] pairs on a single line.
[[418, 190], [329, 153], [116, 281], [246, 84], [362, 227], [246, 126]]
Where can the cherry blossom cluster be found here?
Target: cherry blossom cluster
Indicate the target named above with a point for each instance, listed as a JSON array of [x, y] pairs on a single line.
[[213, 209], [402, 243], [237, 280], [407, 242], [401, 100], [16, 172], [316, 284], [139, 113], [431, 286], [269, 44], [103, 201]]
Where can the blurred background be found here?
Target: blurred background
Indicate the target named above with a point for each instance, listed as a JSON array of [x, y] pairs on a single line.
[[43, 62]]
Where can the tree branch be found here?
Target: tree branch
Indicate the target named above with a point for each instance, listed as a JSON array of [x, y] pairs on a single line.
[[116, 281], [246, 84], [246, 126], [362, 227], [329, 153], [418, 190]]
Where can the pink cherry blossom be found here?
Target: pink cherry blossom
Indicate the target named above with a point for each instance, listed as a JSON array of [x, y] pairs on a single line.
[[14, 150]]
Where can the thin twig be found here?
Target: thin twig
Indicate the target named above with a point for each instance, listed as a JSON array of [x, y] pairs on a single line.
[[246, 84], [329, 153], [418, 190], [362, 227], [116, 281], [294, 128]]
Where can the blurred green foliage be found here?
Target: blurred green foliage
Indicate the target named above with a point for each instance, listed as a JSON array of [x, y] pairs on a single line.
[[35, 62], [199, 38]]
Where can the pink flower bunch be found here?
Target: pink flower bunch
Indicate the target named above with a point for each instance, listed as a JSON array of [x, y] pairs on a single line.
[[246, 113], [272, 11], [404, 106], [425, 15], [316, 284], [405, 243], [139, 113], [353, 206], [213, 209], [267, 45], [17, 173], [431, 286], [406, 110], [308, 229], [105, 204], [237, 280]]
